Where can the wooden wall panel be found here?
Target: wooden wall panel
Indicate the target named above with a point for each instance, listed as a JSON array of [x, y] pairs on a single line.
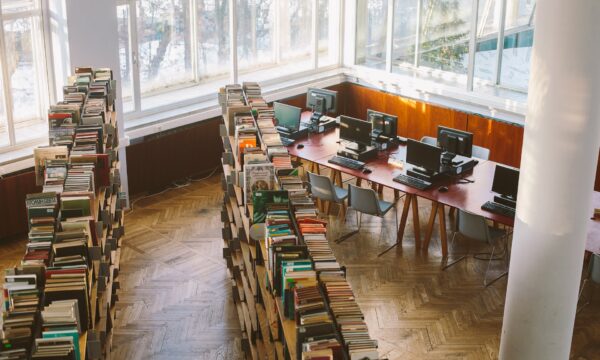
[[504, 140], [13, 213], [184, 152]]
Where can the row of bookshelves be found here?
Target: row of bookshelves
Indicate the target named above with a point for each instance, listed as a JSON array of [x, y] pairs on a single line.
[[59, 303], [292, 297]]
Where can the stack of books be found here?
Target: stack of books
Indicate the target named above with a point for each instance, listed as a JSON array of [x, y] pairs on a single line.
[[42, 210], [60, 320]]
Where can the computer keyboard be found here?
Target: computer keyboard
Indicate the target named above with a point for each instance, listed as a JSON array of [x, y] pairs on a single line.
[[287, 141], [412, 181], [499, 209], [346, 162]]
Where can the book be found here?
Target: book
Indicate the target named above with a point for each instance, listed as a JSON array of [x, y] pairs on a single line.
[[258, 177]]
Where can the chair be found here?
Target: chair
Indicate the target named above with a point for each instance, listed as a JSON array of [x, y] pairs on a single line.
[[593, 275], [429, 140], [323, 188], [366, 201], [475, 227], [481, 152]]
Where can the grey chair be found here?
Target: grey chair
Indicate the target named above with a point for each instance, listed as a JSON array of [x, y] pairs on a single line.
[[481, 152], [366, 201], [323, 188], [593, 275], [475, 227], [429, 140]]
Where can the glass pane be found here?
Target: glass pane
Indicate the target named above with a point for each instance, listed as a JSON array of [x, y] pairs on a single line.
[[444, 41], [255, 33], [405, 31], [213, 39], [486, 47], [28, 84], [328, 14], [164, 42], [4, 138], [13, 6], [125, 58], [371, 29], [518, 40], [295, 32]]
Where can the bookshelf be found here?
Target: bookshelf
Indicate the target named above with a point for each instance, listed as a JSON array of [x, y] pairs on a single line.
[[267, 331], [78, 236]]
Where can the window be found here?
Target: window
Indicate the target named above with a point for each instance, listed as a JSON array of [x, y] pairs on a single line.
[[24, 91], [371, 23], [518, 39], [405, 32], [486, 40], [175, 52]]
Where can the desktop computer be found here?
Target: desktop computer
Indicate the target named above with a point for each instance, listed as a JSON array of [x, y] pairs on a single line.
[[425, 158], [506, 185], [358, 133], [288, 121], [385, 127], [455, 142], [321, 102]]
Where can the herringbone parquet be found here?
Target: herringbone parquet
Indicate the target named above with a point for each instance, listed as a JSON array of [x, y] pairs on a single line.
[[175, 298]]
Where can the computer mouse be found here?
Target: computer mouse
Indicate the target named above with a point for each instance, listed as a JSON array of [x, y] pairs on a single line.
[[443, 189], [299, 146], [366, 171]]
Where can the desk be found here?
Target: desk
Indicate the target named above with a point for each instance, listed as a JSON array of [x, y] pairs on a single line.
[[318, 148]]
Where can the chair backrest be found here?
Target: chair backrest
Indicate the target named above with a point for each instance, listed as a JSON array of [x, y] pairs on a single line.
[[429, 140], [481, 152], [472, 226], [321, 187], [363, 200], [595, 268]]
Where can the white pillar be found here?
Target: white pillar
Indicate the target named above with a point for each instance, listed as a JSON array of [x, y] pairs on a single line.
[[560, 151]]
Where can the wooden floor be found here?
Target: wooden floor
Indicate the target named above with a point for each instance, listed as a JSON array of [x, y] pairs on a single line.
[[175, 301]]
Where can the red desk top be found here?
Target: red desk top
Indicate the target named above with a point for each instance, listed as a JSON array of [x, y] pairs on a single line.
[[318, 148]]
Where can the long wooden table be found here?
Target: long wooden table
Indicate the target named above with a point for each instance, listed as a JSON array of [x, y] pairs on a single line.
[[319, 148]]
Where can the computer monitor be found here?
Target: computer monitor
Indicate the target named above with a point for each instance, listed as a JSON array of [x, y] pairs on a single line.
[[506, 182], [424, 156], [321, 101], [455, 141], [287, 116], [356, 131], [384, 124]]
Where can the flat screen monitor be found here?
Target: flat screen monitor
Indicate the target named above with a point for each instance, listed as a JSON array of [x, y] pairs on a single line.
[[355, 130], [506, 182], [287, 116], [455, 141], [321, 101], [423, 155], [383, 123]]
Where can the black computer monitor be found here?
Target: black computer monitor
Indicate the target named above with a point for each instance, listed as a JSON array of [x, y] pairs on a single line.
[[455, 141], [321, 101], [424, 156], [506, 182], [287, 116], [356, 131], [384, 124]]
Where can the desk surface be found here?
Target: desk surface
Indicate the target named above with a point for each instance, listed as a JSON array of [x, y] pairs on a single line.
[[318, 148]]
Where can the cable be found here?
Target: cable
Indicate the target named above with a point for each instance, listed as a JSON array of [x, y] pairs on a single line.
[[206, 177]]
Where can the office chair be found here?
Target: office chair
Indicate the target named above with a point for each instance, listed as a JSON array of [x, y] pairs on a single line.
[[366, 201], [481, 152], [429, 140], [323, 189], [593, 275], [475, 227]]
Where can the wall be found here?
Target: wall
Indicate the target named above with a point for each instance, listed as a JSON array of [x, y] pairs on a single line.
[[13, 215]]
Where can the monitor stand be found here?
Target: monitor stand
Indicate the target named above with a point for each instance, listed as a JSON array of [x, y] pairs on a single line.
[[422, 174], [506, 200]]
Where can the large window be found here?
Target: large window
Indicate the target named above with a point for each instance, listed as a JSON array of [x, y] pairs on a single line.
[[23, 81], [486, 42], [174, 52]]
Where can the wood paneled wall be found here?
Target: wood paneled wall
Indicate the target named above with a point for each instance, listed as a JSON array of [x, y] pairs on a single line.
[[164, 158], [13, 213]]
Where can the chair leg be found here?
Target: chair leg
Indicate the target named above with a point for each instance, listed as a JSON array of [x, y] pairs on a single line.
[[445, 265], [351, 233], [485, 282], [579, 308]]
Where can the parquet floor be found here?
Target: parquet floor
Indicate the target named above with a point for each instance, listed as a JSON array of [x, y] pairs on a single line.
[[175, 301]]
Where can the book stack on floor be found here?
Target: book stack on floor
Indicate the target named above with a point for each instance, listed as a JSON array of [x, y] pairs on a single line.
[[60, 302], [279, 276]]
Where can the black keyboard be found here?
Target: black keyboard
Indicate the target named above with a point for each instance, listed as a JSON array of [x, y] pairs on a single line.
[[499, 209], [346, 162], [412, 181], [287, 141]]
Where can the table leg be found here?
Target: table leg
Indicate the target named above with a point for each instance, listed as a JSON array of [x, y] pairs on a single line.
[[430, 224], [400, 234], [416, 222], [358, 182], [443, 236], [380, 189], [396, 194]]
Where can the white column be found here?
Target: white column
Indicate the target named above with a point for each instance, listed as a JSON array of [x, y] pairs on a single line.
[[560, 151]]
